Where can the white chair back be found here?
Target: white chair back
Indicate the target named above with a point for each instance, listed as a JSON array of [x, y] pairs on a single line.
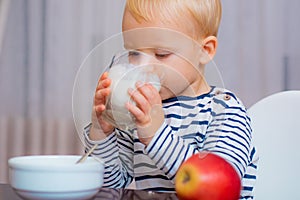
[[276, 133]]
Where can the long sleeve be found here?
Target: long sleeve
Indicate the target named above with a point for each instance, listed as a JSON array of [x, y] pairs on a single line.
[[168, 150], [117, 153], [229, 135], [215, 122], [223, 128]]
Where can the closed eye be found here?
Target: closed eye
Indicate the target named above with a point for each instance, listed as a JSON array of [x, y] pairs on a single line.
[[161, 54], [134, 53]]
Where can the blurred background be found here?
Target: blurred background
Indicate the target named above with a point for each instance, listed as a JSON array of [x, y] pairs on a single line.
[[44, 42]]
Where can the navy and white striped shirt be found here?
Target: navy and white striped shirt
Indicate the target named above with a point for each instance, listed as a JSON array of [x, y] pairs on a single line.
[[215, 122]]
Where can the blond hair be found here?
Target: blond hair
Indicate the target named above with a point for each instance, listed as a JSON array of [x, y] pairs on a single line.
[[203, 15]]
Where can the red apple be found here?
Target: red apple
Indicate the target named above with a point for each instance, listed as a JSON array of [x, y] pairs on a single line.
[[207, 176]]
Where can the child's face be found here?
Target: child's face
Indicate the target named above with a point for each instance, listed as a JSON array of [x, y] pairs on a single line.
[[173, 50]]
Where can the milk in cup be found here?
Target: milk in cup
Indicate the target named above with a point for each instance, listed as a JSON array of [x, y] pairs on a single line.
[[125, 76]]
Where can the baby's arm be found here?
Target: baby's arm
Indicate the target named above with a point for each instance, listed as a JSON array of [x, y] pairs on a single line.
[[116, 151], [229, 135], [100, 128], [148, 111], [169, 150], [115, 148]]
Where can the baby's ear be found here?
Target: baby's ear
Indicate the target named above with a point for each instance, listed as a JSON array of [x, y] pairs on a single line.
[[209, 47]]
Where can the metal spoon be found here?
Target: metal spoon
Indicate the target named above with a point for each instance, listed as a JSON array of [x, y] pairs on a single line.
[[84, 157]]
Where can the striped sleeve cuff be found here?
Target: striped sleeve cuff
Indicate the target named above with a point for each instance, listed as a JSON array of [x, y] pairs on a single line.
[[115, 175], [167, 150], [107, 148], [158, 140]]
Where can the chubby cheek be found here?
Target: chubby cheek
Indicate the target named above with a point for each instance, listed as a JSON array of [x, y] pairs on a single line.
[[177, 76], [166, 93], [173, 86], [176, 82]]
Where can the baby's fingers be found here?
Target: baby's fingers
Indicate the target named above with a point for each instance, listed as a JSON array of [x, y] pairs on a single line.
[[102, 90], [100, 99], [104, 81], [101, 94], [140, 117], [141, 102], [149, 93], [99, 108]]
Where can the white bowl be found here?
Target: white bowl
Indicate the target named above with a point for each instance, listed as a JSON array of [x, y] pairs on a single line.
[[55, 177]]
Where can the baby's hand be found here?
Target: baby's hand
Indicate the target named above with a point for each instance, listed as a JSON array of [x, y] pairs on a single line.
[[148, 110], [102, 91]]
